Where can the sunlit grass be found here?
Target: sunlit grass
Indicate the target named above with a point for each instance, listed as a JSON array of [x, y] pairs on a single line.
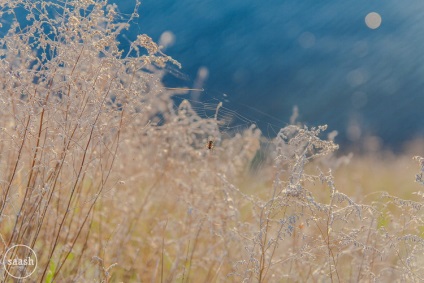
[[109, 180]]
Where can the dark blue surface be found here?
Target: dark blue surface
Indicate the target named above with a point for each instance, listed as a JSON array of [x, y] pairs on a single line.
[[254, 54]]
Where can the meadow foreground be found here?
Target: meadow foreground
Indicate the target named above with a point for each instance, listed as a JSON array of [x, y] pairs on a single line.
[[107, 180]]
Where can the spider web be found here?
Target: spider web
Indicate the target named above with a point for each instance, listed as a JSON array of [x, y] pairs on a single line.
[[233, 118]]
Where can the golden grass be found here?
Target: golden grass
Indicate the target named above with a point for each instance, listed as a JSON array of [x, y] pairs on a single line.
[[109, 181]]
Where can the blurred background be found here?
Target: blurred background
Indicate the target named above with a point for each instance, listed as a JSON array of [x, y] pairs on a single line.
[[357, 66]]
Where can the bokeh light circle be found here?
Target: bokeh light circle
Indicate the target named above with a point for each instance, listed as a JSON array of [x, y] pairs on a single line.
[[373, 20]]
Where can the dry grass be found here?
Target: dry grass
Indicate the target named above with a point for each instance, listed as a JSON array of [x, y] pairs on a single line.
[[109, 181]]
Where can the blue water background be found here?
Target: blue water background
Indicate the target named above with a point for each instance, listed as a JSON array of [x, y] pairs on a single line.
[[318, 55]]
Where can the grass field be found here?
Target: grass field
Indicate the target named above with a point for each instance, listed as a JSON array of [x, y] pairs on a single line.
[[108, 181]]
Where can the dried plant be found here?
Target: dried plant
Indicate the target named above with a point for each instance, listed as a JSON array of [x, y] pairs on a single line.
[[108, 180]]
